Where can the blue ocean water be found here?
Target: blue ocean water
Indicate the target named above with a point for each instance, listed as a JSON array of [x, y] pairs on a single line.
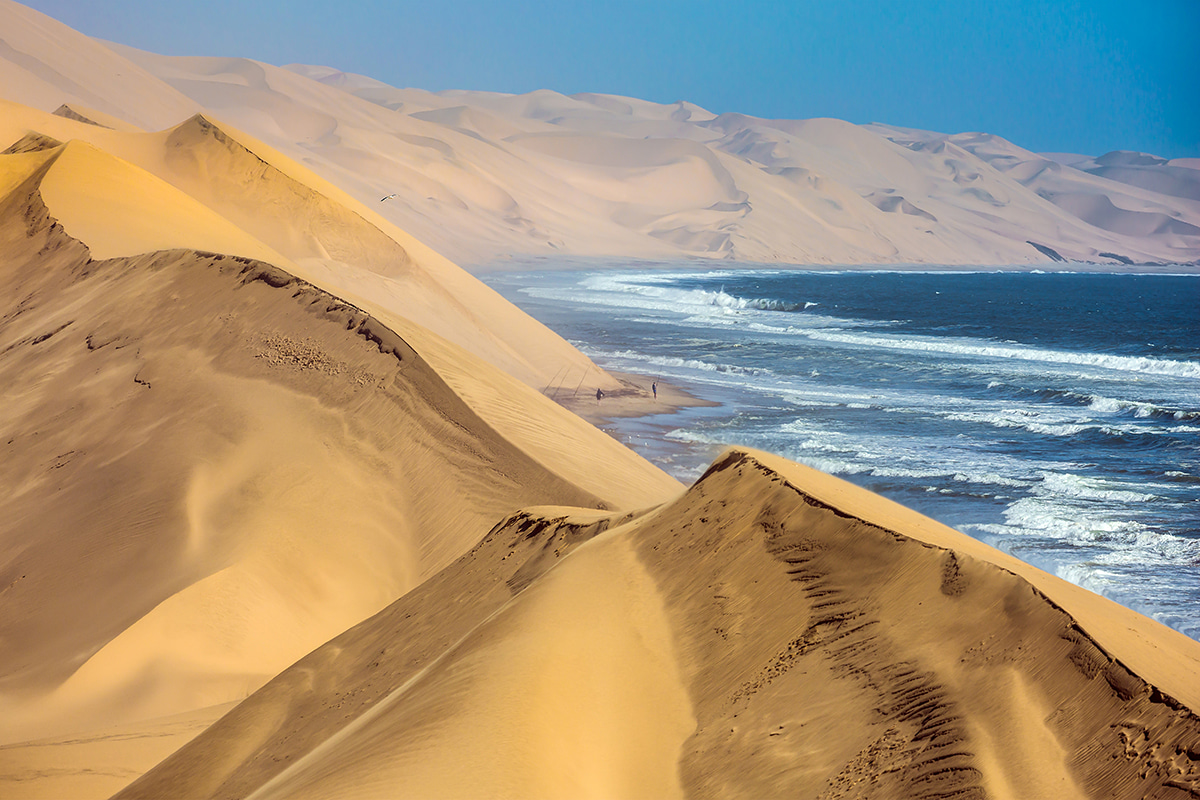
[[1055, 416]]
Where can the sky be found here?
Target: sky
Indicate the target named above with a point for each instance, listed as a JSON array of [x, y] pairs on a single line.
[[1050, 75]]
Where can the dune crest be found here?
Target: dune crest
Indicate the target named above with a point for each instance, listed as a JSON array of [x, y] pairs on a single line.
[[548, 175], [251, 466], [288, 216], [822, 654]]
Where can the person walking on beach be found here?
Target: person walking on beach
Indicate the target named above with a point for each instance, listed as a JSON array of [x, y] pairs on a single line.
[[599, 394], [654, 388]]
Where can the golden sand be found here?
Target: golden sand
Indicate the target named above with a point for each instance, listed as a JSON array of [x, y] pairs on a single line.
[[289, 508]]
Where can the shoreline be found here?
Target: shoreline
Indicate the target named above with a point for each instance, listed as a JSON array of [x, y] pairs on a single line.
[[1003, 467], [575, 263], [634, 399]]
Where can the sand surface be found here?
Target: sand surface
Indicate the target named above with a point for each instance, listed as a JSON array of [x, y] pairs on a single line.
[[635, 396], [213, 466], [788, 647], [96, 763], [292, 505]]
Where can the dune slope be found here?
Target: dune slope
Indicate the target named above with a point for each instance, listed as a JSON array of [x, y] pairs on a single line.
[[787, 646], [280, 502], [292, 218], [484, 176], [44, 63], [211, 466]]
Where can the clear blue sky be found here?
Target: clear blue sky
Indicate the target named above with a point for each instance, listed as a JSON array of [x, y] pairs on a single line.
[[1068, 76]]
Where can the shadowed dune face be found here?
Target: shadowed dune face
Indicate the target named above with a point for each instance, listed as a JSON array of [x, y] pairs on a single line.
[[820, 655], [830, 657], [210, 467], [201, 186], [224, 174]]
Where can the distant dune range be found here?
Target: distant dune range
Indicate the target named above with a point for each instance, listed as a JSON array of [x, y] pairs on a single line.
[[481, 176], [282, 504]]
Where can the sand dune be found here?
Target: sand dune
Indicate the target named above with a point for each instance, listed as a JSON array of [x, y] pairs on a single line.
[[1176, 178], [795, 635], [44, 61], [480, 176], [213, 466], [93, 117], [97, 763], [610, 204], [250, 414], [298, 221]]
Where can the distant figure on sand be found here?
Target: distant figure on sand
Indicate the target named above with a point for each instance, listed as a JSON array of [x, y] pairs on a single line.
[[599, 394], [654, 388]]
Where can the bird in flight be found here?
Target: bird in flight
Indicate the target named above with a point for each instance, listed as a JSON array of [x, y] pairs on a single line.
[[389, 197]]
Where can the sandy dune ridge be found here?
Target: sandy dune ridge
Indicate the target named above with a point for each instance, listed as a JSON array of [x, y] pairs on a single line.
[[198, 185], [785, 646], [213, 465], [594, 175]]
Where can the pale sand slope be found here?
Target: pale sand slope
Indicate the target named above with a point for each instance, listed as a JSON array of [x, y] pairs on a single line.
[[96, 763], [210, 467], [1178, 177], [201, 159], [773, 632], [310, 227], [480, 175], [44, 63], [483, 175]]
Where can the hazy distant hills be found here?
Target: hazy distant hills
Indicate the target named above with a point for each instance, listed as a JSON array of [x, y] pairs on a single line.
[[601, 175], [480, 176]]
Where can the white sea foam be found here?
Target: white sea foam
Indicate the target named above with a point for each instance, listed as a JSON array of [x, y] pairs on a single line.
[[670, 361], [1139, 408], [979, 348], [990, 478], [908, 414], [1018, 418], [647, 290], [1080, 487], [1108, 539], [714, 307], [856, 453], [642, 291]]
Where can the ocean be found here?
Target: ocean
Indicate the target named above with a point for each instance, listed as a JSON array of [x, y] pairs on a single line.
[[1054, 416]]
